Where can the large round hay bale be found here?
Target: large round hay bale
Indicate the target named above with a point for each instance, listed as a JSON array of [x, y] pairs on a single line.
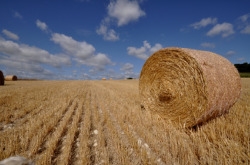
[[11, 78], [1, 78], [188, 87]]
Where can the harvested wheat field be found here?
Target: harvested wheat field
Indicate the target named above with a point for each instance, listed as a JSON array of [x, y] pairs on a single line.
[[101, 122]]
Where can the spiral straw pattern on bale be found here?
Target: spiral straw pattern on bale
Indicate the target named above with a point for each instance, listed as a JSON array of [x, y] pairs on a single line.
[[188, 87], [1, 78]]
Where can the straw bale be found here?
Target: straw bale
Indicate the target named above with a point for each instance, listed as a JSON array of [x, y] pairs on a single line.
[[1, 78], [188, 87], [11, 78]]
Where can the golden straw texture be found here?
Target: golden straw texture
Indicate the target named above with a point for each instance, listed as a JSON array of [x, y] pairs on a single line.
[[11, 78], [1, 78], [188, 87]]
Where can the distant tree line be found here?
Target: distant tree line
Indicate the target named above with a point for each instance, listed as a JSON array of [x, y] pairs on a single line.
[[243, 68]]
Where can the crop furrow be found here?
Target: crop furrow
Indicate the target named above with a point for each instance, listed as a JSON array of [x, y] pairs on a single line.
[[51, 127], [84, 134], [119, 151], [138, 142], [74, 146], [63, 138], [130, 149], [70, 139], [98, 138], [75, 143], [92, 139], [53, 144]]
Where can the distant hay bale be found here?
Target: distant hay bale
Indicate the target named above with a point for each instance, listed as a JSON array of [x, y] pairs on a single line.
[[16, 160], [1, 78], [188, 87], [11, 78], [103, 78]]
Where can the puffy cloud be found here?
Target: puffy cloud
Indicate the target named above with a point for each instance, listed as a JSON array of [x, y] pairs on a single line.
[[207, 45], [122, 12], [125, 11], [25, 69], [225, 29], [10, 35], [145, 51], [108, 34], [98, 61], [41, 25], [244, 24], [127, 71], [127, 67], [29, 61], [83, 52], [244, 17], [29, 54], [204, 22]]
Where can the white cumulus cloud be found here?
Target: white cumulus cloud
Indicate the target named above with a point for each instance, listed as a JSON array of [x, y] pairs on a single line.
[[204, 22], [82, 52], [108, 34], [41, 25], [145, 51], [125, 11], [245, 23], [29, 61], [127, 71], [244, 17], [31, 54], [10, 35], [122, 12], [127, 67], [224, 29]]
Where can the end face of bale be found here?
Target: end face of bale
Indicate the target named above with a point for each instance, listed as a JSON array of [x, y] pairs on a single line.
[[175, 84], [1, 78]]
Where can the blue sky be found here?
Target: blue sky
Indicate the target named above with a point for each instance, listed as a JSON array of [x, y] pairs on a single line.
[[92, 39]]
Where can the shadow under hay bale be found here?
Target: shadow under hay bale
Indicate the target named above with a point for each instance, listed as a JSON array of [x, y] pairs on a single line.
[[11, 78], [1, 78], [188, 87]]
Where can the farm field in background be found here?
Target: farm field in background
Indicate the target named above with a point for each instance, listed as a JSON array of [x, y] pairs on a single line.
[[101, 122], [246, 74]]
